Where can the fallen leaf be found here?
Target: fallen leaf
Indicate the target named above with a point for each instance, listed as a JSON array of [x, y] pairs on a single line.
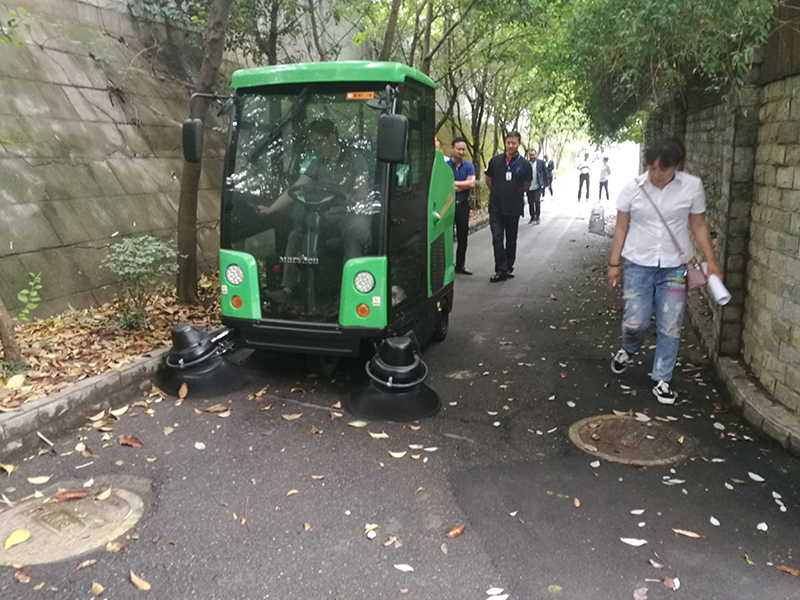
[[494, 591], [555, 589], [119, 411], [749, 561], [224, 415], [714, 521], [577, 503], [670, 583], [67, 495], [755, 477], [168, 430], [656, 564], [357, 424], [17, 537], [789, 570], [16, 381], [317, 477], [762, 527], [183, 391], [97, 589], [306, 526], [633, 541], [681, 440], [39, 586], [217, 408], [297, 390], [690, 534], [199, 445], [22, 576], [86, 563], [291, 417], [130, 440], [594, 464], [39, 480], [455, 531], [337, 405], [398, 454], [404, 568], [114, 546], [389, 542], [379, 436], [414, 427], [292, 492], [619, 413], [7, 468], [138, 582], [315, 430]]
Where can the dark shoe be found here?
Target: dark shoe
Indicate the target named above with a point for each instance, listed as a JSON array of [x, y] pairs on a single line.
[[531, 220], [622, 360], [537, 221], [511, 276], [663, 392], [463, 271], [498, 277]]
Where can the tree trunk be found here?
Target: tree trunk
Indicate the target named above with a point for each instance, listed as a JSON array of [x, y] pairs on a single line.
[[391, 27], [11, 349], [425, 65], [190, 178], [315, 31], [272, 40]]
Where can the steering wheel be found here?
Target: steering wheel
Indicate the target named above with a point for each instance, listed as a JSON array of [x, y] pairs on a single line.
[[314, 196]]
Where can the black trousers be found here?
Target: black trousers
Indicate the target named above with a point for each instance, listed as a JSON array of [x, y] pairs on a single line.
[[603, 186], [583, 177], [504, 240], [535, 202], [461, 219]]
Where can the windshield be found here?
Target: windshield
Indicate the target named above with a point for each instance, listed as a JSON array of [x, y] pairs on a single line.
[[303, 193]]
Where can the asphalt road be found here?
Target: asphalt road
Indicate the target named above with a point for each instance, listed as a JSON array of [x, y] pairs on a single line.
[[524, 360]]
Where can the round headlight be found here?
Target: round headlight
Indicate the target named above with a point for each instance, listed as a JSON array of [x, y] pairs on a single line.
[[364, 282], [234, 274]]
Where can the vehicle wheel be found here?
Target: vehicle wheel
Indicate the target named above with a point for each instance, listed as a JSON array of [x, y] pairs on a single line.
[[322, 365], [442, 325]]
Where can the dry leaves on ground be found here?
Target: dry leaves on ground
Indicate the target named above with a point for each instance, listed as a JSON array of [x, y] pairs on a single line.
[[82, 343]]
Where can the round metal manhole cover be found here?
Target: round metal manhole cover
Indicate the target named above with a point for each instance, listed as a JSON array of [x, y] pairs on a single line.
[[61, 530], [625, 440]]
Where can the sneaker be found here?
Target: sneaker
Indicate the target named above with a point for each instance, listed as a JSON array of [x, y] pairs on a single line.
[[664, 394], [621, 362]]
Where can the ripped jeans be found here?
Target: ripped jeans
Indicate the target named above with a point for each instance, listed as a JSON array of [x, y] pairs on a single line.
[[647, 289]]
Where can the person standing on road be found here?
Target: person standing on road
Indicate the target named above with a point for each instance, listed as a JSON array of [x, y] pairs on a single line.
[[538, 183], [583, 170], [655, 273], [605, 171], [550, 168], [508, 177], [464, 174]]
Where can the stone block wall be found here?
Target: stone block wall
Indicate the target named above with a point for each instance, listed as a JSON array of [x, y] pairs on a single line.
[[90, 147], [771, 340]]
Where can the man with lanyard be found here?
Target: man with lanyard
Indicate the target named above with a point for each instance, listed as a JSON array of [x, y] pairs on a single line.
[[538, 184], [508, 177], [464, 174]]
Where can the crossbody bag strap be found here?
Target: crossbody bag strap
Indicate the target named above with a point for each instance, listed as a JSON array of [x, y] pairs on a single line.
[[663, 220]]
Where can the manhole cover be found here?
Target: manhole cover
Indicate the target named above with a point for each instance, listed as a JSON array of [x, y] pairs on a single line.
[[60, 530], [625, 440]]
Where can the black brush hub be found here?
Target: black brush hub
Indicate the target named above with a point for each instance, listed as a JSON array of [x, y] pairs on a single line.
[[395, 391]]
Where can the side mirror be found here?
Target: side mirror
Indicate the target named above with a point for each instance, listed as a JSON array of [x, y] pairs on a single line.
[[192, 140], [392, 138]]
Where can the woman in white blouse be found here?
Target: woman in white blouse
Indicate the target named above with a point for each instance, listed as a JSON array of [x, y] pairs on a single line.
[[655, 272]]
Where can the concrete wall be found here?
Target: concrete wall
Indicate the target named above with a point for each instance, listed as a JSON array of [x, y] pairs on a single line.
[[90, 114], [771, 340]]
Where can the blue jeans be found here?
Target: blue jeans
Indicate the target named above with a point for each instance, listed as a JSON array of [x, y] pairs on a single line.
[[647, 289]]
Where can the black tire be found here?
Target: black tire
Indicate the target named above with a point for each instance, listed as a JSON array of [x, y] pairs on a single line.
[[322, 365], [442, 326]]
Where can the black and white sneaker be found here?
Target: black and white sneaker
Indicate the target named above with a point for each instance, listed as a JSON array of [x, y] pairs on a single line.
[[621, 362], [663, 392]]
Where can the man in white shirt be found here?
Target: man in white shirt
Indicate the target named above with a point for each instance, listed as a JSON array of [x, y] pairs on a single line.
[[583, 170], [605, 171]]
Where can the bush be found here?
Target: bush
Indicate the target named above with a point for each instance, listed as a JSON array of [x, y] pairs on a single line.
[[142, 264], [29, 297]]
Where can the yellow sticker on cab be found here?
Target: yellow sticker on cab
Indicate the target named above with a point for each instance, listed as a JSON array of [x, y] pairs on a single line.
[[360, 95]]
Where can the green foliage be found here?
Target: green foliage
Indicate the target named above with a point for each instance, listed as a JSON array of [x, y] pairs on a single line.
[[9, 368], [29, 297], [11, 22], [142, 263], [631, 55]]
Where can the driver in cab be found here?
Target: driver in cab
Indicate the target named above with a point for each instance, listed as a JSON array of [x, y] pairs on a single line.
[[338, 172]]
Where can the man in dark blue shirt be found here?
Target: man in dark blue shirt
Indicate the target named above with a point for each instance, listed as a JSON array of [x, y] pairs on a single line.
[[508, 177], [464, 174]]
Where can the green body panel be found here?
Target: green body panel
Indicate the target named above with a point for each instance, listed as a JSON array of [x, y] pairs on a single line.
[[247, 290], [441, 202], [344, 71], [377, 299]]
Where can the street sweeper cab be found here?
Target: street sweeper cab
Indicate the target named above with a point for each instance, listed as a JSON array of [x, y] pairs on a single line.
[[336, 224]]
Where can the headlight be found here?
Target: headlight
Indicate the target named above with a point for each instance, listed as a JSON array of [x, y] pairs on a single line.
[[234, 274], [364, 282]]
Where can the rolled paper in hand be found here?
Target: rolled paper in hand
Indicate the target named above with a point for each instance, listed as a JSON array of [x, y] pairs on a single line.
[[718, 289]]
